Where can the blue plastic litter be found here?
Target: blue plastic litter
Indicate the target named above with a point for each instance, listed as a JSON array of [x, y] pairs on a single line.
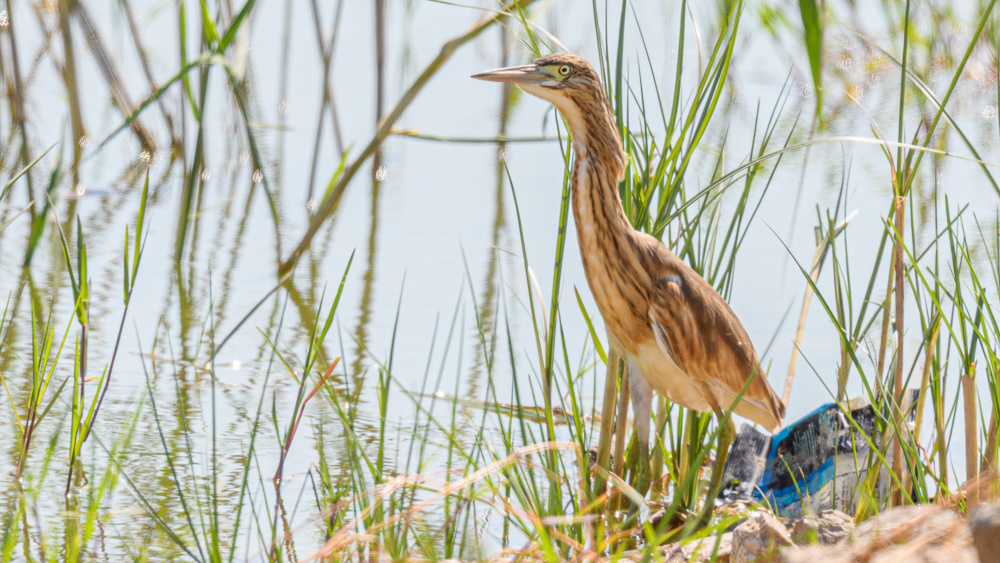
[[814, 464]]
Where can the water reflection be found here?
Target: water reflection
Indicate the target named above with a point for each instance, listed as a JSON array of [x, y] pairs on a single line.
[[487, 301]]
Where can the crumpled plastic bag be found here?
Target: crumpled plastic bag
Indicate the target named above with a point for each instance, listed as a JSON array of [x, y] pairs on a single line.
[[817, 463]]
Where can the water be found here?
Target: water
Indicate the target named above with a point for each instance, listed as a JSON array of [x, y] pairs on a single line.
[[432, 227]]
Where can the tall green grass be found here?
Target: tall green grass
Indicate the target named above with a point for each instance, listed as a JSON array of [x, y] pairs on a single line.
[[535, 468]]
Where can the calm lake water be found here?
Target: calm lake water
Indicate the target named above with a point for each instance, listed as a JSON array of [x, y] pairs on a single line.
[[433, 229]]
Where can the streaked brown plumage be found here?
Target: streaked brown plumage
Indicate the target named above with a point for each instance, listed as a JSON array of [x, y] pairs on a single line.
[[678, 335]]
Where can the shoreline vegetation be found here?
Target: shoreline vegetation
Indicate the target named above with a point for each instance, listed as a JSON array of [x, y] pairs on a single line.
[[324, 452]]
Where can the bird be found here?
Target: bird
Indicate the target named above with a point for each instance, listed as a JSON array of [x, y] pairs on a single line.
[[677, 335]]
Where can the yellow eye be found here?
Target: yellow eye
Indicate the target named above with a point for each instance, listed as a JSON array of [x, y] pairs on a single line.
[[565, 70]]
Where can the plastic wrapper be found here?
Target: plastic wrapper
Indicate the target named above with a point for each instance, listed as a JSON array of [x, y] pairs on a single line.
[[814, 464]]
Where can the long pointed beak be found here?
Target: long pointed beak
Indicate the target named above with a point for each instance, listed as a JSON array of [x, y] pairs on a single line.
[[525, 74]]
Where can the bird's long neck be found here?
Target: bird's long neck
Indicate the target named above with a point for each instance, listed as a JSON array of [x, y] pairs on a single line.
[[600, 164], [597, 207], [611, 263]]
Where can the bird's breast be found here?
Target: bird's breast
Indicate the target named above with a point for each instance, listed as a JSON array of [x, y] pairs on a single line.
[[668, 379], [611, 261]]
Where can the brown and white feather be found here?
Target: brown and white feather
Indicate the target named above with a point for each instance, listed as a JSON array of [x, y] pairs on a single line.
[[660, 314]]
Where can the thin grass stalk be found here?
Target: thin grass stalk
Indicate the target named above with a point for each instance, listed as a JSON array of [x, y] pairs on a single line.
[[607, 418], [959, 257], [924, 89], [900, 185], [193, 176], [130, 273], [69, 78], [81, 295], [451, 531], [899, 422], [385, 382], [133, 26], [683, 459], [244, 485], [554, 496], [112, 77], [42, 361], [38, 223], [841, 286], [583, 494], [175, 479], [18, 116], [620, 71], [657, 462], [185, 97], [329, 93], [823, 244], [987, 12], [379, 65], [937, 394], [297, 412], [925, 379], [104, 488], [214, 541], [286, 43], [549, 363], [884, 338], [989, 461], [936, 385], [327, 100], [239, 92], [286, 443], [621, 422], [971, 428]]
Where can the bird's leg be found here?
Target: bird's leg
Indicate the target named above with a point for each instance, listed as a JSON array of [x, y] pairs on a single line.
[[726, 436], [642, 406]]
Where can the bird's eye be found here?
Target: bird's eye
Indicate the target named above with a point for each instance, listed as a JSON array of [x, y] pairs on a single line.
[[565, 70]]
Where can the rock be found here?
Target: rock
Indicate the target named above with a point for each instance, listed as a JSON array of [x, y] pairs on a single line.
[[656, 519], [929, 522], [985, 524], [759, 539], [915, 533], [675, 553], [908, 534], [669, 553], [696, 551], [827, 527], [816, 554], [920, 554], [704, 550]]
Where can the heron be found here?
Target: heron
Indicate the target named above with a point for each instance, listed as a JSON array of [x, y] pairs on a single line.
[[677, 335]]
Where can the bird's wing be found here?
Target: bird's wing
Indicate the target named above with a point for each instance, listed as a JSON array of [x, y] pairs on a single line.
[[696, 328], [669, 284]]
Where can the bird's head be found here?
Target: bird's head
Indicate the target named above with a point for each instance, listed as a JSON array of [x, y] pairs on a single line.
[[570, 84], [556, 78]]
